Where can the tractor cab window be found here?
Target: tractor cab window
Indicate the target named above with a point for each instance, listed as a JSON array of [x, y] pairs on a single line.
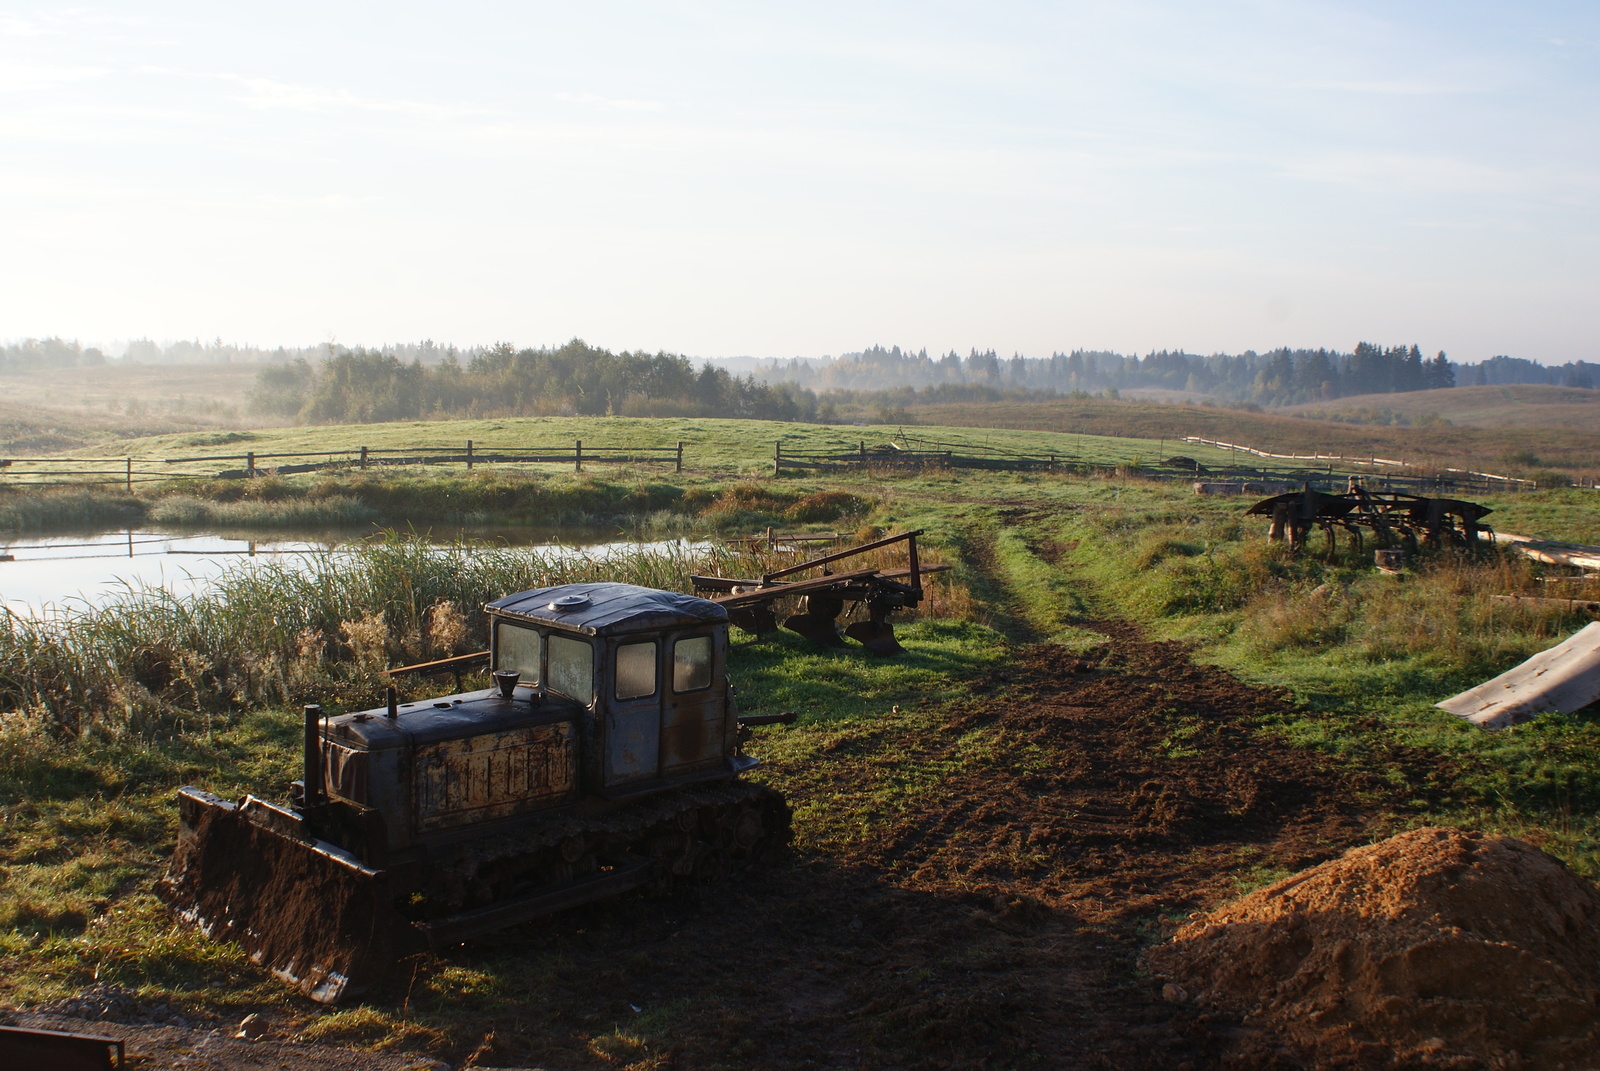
[[571, 670], [636, 670], [691, 664], [517, 648]]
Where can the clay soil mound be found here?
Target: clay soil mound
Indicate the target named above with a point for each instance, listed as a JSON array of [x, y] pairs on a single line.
[[1435, 948]]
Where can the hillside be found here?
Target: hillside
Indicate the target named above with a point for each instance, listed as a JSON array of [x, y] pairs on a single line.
[[1528, 449], [1519, 405]]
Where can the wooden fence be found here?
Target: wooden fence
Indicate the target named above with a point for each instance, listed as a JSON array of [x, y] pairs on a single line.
[[1488, 479], [128, 471], [1330, 472], [909, 453]]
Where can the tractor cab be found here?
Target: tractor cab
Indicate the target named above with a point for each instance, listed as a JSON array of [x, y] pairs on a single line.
[[647, 667]]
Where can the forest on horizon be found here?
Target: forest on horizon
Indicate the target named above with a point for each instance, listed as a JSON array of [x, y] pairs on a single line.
[[335, 384]]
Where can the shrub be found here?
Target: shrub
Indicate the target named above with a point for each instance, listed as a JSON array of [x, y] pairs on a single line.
[[824, 506]]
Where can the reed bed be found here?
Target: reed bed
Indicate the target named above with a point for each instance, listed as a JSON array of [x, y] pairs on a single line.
[[149, 663], [329, 512]]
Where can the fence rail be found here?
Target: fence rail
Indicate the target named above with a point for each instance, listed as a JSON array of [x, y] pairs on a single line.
[[79, 471], [915, 453], [1344, 459]]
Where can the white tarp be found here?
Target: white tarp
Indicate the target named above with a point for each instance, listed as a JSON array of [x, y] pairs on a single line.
[[1563, 679]]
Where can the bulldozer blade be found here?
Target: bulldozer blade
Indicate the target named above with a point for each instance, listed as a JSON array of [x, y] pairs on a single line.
[[305, 909], [877, 637]]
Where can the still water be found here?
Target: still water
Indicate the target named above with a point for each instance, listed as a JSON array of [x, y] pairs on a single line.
[[39, 574]]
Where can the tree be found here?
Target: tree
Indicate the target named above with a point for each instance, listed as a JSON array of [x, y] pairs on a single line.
[[1440, 373]]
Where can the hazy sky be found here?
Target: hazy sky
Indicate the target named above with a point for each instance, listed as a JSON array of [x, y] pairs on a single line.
[[721, 179]]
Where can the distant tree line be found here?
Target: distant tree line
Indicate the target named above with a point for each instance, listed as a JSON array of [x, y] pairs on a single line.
[[34, 353], [31, 353], [411, 380], [357, 386], [1278, 377]]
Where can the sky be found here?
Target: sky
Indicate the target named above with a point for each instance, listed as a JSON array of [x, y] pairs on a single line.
[[806, 179]]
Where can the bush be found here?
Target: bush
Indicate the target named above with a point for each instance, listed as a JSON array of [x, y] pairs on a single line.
[[824, 506]]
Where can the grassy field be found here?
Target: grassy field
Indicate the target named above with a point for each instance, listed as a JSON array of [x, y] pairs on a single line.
[[107, 714], [73, 407], [710, 445]]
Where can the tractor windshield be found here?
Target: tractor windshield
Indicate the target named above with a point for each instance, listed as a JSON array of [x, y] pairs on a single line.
[[571, 668], [517, 648]]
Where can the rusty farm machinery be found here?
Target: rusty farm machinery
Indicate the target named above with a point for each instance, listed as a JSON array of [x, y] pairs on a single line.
[[1391, 518], [873, 594], [606, 757]]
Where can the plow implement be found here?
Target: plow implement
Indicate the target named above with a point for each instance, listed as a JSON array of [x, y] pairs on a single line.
[[873, 594], [1392, 518]]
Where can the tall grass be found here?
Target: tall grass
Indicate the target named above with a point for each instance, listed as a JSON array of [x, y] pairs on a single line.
[[67, 507], [151, 662], [330, 511], [495, 496]]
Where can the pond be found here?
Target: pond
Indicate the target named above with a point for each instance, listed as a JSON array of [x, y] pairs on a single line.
[[39, 574]]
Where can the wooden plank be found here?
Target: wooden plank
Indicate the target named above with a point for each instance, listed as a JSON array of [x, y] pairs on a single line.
[[1544, 602], [59, 1050], [1561, 680], [1551, 552]]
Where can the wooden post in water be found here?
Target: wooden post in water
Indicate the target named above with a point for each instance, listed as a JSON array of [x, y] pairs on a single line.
[[577, 457]]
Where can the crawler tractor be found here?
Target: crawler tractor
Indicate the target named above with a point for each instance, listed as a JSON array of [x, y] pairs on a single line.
[[606, 758]]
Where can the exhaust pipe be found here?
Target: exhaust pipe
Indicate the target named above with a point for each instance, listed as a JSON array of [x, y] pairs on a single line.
[[313, 762]]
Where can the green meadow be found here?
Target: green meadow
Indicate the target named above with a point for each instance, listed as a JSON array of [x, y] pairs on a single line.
[[105, 713]]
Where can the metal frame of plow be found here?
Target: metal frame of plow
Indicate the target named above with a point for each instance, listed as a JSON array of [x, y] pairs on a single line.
[[1392, 517], [750, 602], [1561, 680]]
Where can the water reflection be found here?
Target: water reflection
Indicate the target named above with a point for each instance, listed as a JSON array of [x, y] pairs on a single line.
[[41, 573]]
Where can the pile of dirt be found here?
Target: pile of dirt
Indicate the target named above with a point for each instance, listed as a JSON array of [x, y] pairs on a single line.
[[1434, 948]]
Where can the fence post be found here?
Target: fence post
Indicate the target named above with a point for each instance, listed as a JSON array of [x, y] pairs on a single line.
[[250, 464], [777, 458], [130, 475], [469, 455], [577, 457], [862, 446], [680, 456], [363, 457]]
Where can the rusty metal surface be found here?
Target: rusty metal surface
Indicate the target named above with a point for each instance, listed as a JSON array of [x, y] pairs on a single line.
[[880, 592], [56, 1050], [1389, 516], [481, 809], [480, 778]]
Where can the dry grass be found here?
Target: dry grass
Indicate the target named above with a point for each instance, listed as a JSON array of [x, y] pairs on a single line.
[[1571, 449]]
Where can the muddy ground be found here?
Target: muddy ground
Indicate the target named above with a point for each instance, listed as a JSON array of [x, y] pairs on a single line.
[[994, 921]]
